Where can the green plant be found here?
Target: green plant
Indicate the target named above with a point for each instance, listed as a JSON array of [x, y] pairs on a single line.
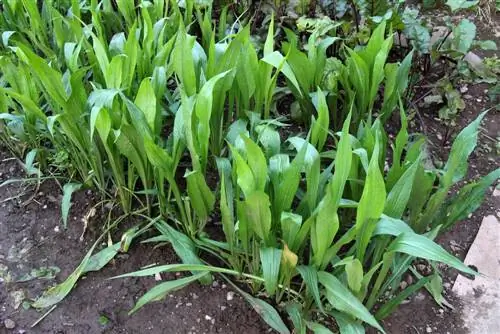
[[150, 106], [361, 76], [290, 242]]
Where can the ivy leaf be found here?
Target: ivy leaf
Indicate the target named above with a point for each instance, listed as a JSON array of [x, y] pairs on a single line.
[[460, 4], [486, 45], [418, 35]]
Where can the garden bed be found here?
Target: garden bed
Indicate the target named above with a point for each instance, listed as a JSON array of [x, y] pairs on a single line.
[[36, 251], [32, 236]]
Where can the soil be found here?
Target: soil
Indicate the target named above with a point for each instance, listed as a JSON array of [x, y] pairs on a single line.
[[31, 236]]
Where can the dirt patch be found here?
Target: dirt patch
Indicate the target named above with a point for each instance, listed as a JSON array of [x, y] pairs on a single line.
[[32, 237]]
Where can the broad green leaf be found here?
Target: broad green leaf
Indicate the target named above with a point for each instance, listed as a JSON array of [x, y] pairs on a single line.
[[343, 300], [226, 206], [159, 157], [420, 246], [311, 154], [258, 213], [257, 162], [487, 45], [161, 290], [183, 61], [277, 60], [68, 190], [378, 66], [290, 226], [463, 37], [294, 310], [371, 204], [318, 328], [245, 177], [354, 271], [464, 144], [267, 312], [460, 4], [99, 260], [203, 110], [398, 197], [320, 126], [391, 226], [347, 325], [310, 277], [467, 200], [183, 246], [270, 259], [100, 119], [89, 263], [201, 197], [269, 43], [146, 102]]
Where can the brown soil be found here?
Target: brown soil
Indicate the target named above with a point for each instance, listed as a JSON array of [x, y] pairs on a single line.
[[29, 239]]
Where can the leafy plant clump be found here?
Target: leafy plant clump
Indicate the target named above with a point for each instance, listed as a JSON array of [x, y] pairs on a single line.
[[182, 114]]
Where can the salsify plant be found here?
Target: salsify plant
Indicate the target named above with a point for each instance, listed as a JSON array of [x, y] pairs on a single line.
[[360, 78], [326, 241], [147, 112]]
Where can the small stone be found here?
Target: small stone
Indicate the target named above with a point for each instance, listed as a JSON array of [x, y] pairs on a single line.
[[420, 296], [215, 284], [439, 136], [207, 317], [403, 285], [230, 295], [428, 329], [464, 89], [17, 298], [56, 229], [496, 192], [455, 247], [9, 324], [222, 308], [158, 277], [195, 296]]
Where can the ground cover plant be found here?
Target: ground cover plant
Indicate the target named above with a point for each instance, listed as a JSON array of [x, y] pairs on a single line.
[[174, 111]]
